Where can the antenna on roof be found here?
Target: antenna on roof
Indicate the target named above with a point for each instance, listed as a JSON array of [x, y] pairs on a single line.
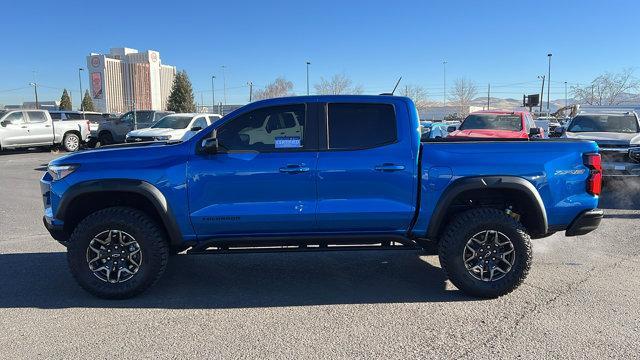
[[394, 88]]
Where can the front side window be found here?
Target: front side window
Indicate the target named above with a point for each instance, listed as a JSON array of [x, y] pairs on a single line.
[[510, 122], [604, 123], [360, 126], [15, 118], [36, 117], [278, 128], [127, 118]]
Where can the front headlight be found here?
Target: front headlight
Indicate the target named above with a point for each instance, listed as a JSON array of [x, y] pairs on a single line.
[[162, 138], [58, 172]]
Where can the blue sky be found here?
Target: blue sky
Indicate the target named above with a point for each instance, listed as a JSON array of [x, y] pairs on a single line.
[[374, 42]]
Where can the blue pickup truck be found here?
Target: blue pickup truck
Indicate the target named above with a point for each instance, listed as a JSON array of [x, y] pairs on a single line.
[[318, 173]]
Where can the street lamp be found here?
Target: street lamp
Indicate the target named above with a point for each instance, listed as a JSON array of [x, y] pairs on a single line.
[[35, 89], [566, 103], [224, 83], [213, 93], [308, 63], [549, 83], [250, 83], [80, 80], [444, 82]]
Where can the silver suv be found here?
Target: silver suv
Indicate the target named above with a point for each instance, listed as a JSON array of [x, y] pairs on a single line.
[[115, 131]]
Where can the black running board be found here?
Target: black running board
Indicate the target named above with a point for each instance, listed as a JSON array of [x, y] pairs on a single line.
[[278, 245]]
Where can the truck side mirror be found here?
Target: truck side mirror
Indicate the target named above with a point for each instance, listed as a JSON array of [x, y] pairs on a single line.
[[451, 128], [535, 131], [210, 145], [196, 128]]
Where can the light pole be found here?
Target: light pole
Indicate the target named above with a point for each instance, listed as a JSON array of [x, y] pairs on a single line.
[[566, 102], [224, 83], [213, 93], [80, 80], [35, 89], [308, 63], [541, 92], [549, 83], [250, 83], [444, 82]]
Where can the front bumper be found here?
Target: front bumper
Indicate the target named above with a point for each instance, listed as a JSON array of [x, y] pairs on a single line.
[[57, 231], [585, 223]]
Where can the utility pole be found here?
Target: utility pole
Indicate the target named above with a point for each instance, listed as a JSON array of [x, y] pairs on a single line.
[[224, 83], [549, 84], [489, 97], [444, 82], [308, 63], [213, 93], [250, 83], [541, 92], [81, 95], [566, 102], [35, 90]]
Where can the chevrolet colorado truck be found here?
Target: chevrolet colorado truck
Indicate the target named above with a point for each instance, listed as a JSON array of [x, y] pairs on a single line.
[[356, 176]]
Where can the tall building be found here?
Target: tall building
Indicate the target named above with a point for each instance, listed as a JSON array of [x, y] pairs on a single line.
[[125, 79]]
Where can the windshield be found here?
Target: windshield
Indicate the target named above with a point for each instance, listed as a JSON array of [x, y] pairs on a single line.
[[173, 122], [492, 121], [604, 123]]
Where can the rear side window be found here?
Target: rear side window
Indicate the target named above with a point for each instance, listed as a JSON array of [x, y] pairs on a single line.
[[37, 116], [361, 126], [56, 115]]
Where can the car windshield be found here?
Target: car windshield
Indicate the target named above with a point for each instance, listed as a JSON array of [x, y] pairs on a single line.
[[173, 122], [492, 121], [604, 123]]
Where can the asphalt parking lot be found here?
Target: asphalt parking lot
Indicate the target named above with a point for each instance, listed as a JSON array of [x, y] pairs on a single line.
[[581, 299]]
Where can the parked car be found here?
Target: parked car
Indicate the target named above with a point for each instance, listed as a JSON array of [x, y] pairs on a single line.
[[172, 127], [31, 128], [94, 118], [358, 177], [265, 129], [618, 135], [115, 131], [498, 125]]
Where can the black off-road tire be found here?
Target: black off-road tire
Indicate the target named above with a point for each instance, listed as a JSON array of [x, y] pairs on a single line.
[[150, 237], [466, 225], [105, 138]]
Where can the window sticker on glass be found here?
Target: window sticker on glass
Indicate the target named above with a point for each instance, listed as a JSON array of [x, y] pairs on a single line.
[[283, 142]]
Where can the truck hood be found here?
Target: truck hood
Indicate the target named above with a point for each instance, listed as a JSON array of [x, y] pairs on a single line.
[[174, 133], [134, 153], [488, 133], [607, 138]]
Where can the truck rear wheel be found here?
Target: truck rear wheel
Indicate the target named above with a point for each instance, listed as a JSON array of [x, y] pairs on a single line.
[[71, 142], [117, 253], [485, 252], [105, 138]]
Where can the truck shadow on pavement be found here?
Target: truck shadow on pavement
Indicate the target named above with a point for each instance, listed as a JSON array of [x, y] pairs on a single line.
[[42, 280]]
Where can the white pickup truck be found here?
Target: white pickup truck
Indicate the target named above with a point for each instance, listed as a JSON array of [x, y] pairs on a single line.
[[31, 128]]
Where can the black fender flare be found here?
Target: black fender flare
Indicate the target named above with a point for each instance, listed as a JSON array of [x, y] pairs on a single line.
[[140, 187], [488, 182]]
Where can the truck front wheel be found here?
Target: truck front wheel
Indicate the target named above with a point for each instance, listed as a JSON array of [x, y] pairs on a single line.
[[485, 252], [117, 253]]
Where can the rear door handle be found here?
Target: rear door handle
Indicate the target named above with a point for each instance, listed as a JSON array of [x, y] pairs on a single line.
[[294, 169], [389, 167]]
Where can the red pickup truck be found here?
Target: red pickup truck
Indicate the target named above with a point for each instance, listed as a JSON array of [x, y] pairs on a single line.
[[498, 124]]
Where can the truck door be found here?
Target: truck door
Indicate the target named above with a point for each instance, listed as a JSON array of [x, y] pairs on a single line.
[[366, 168], [40, 128], [14, 130], [264, 187]]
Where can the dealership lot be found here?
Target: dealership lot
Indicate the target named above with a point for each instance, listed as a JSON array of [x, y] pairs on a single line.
[[580, 299]]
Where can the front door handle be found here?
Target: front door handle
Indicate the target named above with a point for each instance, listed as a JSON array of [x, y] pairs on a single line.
[[24, 127], [294, 169], [389, 167]]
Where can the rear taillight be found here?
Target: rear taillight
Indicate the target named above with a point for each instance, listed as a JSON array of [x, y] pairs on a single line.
[[594, 181], [88, 126]]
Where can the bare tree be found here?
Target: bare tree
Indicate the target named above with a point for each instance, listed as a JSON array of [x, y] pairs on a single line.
[[418, 94], [463, 92], [278, 88], [608, 89], [337, 85]]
